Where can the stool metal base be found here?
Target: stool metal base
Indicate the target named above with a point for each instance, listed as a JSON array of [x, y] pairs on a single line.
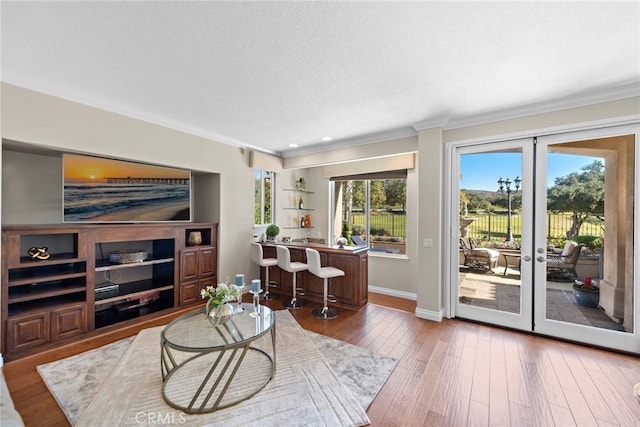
[[325, 313], [294, 304], [269, 296]]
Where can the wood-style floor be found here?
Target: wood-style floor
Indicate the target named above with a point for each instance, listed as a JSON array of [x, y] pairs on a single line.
[[452, 373]]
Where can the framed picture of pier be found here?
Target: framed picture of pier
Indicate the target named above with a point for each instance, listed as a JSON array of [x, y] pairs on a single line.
[[100, 190]]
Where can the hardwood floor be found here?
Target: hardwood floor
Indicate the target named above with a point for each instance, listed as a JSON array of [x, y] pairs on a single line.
[[452, 373]]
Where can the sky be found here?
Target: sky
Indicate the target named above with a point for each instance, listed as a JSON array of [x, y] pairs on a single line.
[[482, 171], [87, 168]]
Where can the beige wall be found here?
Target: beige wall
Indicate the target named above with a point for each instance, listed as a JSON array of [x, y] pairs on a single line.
[[58, 124], [39, 119]]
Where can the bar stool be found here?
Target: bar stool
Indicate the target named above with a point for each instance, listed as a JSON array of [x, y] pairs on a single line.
[[257, 256], [284, 262], [313, 262]]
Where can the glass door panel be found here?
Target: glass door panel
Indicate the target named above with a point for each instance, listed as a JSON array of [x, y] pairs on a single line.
[[584, 237], [493, 262]]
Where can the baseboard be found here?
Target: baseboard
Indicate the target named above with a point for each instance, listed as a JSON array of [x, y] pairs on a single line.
[[435, 316], [393, 293]]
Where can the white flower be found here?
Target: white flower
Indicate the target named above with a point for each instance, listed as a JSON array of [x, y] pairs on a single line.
[[220, 294]]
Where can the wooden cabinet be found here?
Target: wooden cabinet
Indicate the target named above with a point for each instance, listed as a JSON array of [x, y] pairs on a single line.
[[88, 282], [350, 290], [41, 327], [197, 270]]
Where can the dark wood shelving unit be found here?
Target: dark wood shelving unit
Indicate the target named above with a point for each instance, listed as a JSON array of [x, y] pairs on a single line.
[[45, 302]]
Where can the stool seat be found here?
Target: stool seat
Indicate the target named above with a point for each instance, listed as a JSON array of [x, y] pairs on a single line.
[[328, 272], [257, 256], [284, 262], [325, 273]]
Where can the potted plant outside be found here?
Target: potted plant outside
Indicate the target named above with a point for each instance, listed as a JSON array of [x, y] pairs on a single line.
[[272, 231], [587, 293]]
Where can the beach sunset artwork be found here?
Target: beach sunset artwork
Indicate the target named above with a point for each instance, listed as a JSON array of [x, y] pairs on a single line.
[[107, 190]]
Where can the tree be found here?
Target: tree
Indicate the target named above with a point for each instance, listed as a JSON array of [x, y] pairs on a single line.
[[377, 197], [396, 192], [581, 193]]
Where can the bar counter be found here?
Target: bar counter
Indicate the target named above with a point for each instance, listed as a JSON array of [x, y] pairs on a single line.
[[350, 290]]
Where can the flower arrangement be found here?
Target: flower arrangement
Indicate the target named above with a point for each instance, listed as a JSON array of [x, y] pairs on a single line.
[[587, 285], [220, 294]]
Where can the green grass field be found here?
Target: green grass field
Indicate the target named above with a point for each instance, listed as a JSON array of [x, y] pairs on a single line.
[[394, 224], [494, 226]]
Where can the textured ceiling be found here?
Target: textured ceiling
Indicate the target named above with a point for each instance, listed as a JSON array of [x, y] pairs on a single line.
[[268, 74]]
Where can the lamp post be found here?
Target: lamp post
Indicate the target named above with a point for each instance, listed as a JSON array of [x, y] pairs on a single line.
[[505, 187]]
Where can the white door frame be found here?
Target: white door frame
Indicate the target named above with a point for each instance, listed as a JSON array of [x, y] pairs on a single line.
[[522, 320], [613, 339], [625, 341]]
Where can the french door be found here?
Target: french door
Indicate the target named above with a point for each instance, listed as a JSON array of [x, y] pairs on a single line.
[[519, 207]]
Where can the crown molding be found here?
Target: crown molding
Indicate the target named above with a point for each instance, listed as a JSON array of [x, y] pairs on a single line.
[[387, 135], [612, 93]]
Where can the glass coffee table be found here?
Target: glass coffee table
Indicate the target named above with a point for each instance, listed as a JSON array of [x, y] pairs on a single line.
[[206, 368]]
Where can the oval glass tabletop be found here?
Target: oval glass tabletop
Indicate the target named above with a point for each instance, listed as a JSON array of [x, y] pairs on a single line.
[[194, 332]]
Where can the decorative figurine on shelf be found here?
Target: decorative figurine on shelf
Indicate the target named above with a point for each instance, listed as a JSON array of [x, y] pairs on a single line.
[[39, 253], [195, 238]]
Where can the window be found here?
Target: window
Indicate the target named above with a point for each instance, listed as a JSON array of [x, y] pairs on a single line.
[[373, 210], [264, 181]]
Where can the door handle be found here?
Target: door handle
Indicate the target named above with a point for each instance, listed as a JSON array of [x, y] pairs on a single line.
[[541, 259], [526, 258]]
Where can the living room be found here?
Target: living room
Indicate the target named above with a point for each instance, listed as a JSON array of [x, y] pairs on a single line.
[[37, 127]]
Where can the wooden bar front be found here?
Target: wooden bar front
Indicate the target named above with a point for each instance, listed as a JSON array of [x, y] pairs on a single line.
[[350, 290]]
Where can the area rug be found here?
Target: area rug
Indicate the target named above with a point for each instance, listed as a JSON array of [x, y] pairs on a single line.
[[319, 381]]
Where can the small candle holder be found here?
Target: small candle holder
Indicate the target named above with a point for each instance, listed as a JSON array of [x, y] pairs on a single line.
[[239, 286], [256, 303], [256, 291]]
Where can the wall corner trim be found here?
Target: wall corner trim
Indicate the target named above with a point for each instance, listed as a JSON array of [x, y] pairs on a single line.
[[435, 316]]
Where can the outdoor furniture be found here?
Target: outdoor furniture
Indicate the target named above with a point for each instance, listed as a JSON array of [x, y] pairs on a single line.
[[512, 260], [477, 258], [358, 240], [563, 265]]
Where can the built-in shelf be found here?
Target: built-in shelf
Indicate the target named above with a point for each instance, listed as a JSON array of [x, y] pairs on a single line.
[[298, 191], [106, 265], [78, 289]]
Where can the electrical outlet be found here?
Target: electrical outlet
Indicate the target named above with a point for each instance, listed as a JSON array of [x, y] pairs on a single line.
[[427, 243]]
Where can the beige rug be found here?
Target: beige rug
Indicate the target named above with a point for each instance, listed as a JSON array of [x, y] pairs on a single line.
[[305, 391]]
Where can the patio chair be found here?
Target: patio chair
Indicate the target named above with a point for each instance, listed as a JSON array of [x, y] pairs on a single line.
[[563, 265], [477, 258]]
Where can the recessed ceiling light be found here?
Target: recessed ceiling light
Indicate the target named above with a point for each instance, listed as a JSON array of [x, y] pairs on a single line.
[[293, 145], [326, 138]]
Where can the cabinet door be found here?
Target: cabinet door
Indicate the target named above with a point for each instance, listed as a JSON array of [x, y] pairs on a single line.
[[190, 292], [188, 265], [28, 331], [68, 322], [206, 262]]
